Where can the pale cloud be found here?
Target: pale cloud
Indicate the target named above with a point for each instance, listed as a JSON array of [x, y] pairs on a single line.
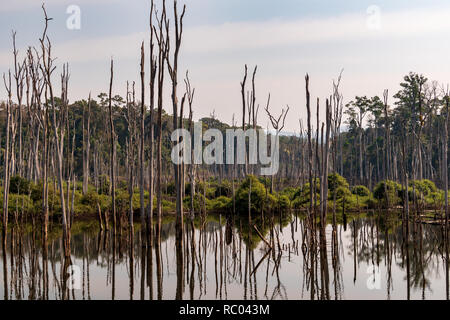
[[284, 50], [242, 36]]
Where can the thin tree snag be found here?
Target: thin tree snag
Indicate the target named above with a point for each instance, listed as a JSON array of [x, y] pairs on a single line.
[[262, 237], [57, 124], [130, 150], [325, 162], [243, 108], [278, 125], [153, 69], [190, 92], [163, 48], [172, 67], [19, 78], [445, 160], [7, 82], [310, 152]]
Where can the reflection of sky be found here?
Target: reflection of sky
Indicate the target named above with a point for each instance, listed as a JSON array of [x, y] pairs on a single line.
[[291, 271], [285, 38]]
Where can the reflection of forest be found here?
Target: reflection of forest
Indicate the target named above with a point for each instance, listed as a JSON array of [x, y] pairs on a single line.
[[217, 254]]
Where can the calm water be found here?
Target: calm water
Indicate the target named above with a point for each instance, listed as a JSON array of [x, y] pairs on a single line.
[[368, 259]]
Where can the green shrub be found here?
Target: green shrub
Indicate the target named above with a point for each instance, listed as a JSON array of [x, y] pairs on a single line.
[[290, 192], [336, 181], [423, 187], [103, 184], [436, 199], [168, 206], [199, 200], [18, 203], [301, 196], [220, 204], [202, 187]]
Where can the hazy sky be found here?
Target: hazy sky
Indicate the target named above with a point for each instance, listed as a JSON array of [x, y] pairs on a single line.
[[285, 38]]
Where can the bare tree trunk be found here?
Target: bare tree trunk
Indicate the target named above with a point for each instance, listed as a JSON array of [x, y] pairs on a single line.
[[130, 156], [445, 160], [153, 68], [310, 152], [325, 161], [162, 46]]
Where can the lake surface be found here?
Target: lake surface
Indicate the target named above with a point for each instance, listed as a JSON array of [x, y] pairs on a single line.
[[369, 258]]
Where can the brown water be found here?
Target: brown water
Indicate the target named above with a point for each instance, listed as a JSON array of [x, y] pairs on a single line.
[[368, 259]]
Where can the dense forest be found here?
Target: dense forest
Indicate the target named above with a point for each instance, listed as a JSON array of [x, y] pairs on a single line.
[[108, 156]]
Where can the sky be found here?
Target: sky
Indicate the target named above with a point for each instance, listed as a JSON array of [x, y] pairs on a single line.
[[376, 43]]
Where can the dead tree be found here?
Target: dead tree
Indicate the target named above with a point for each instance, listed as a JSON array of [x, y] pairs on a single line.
[[172, 67], [325, 163], [244, 107], [278, 125], [192, 167], [387, 138], [162, 50], [445, 161], [131, 121], [19, 78], [310, 151], [112, 150], [57, 122], [153, 69], [142, 137]]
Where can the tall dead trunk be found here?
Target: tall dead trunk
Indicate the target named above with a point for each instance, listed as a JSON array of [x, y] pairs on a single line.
[[153, 69], [310, 151], [173, 72], [445, 160], [192, 169], [57, 123], [162, 47]]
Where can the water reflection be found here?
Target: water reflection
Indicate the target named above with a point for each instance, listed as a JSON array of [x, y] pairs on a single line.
[[218, 257]]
